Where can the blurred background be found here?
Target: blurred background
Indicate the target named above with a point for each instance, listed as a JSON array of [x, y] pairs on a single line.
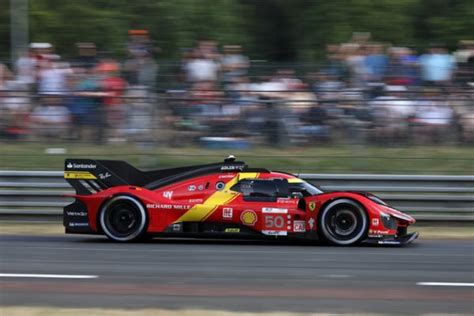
[[358, 95], [306, 86]]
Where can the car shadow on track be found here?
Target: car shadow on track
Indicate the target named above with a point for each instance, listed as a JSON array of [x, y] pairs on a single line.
[[96, 239], [240, 242]]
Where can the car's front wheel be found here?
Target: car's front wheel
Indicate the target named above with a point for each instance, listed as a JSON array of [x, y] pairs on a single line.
[[343, 222], [123, 218]]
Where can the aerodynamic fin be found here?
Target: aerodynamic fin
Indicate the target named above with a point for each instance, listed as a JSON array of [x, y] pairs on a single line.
[[88, 176]]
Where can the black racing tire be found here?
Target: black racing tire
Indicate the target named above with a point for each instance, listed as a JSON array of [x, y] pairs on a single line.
[[123, 218], [343, 222]]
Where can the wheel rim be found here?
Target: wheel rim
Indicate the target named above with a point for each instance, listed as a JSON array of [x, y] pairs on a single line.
[[343, 222], [123, 218]]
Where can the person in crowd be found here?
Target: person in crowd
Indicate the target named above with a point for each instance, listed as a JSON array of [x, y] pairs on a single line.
[[141, 70], [50, 119], [52, 76], [392, 113], [139, 119], [5, 75], [327, 86], [335, 65], [200, 68], [375, 63], [15, 107], [86, 55], [26, 68], [437, 66], [403, 67], [433, 117], [113, 86], [465, 63], [233, 63], [355, 55], [461, 102], [86, 107]]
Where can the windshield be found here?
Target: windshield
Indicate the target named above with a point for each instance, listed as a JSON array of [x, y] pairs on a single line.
[[304, 187]]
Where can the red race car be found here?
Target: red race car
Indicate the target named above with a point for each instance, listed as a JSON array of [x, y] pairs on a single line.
[[226, 199]]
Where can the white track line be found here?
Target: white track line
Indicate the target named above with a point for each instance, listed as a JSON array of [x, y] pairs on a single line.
[[47, 276], [444, 284]]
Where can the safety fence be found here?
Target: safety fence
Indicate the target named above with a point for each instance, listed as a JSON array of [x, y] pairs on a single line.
[[39, 195]]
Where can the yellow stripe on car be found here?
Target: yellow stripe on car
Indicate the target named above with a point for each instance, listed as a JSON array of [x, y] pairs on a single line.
[[83, 175], [201, 212], [294, 180]]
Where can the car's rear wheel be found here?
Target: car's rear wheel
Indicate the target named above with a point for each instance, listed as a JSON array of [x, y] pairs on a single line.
[[343, 222], [123, 218]]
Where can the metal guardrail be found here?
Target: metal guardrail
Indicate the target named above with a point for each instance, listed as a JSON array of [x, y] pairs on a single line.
[[38, 195]]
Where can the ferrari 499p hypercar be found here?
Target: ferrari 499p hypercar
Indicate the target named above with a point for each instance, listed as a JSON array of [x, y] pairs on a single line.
[[226, 199]]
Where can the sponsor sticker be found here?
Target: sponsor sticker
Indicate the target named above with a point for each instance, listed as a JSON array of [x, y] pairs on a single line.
[[81, 166], [232, 230], [311, 223], [299, 226], [226, 176], [155, 206], [200, 187], [232, 167], [168, 206], [375, 221], [248, 217], [274, 210], [195, 200], [86, 175], [275, 232], [227, 212], [168, 194], [104, 176], [312, 206], [286, 201], [76, 213], [177, 227], [192, 188], [220, 186], [379, 232], [78, 224]]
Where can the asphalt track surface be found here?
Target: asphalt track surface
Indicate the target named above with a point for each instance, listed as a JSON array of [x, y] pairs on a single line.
[[238, 275]]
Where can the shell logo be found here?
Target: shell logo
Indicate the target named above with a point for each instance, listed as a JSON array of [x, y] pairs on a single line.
[[248, 217]]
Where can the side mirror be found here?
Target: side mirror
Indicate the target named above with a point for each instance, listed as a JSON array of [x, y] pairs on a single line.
[[297, 195]]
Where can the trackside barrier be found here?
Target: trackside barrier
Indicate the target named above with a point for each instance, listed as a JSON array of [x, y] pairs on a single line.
[[38, 195]]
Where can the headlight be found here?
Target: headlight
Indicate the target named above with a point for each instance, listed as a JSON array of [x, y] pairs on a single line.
[[388, 221], [384, 216]]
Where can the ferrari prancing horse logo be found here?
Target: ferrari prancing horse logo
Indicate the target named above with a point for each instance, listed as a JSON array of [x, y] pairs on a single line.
[[312, 206]]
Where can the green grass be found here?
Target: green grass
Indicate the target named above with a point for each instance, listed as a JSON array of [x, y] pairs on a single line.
[[324, 159]]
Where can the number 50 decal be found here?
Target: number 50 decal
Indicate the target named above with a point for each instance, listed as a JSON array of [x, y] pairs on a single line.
[[274, 222]]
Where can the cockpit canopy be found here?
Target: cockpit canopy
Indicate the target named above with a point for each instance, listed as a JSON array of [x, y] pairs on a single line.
[[271, 189]]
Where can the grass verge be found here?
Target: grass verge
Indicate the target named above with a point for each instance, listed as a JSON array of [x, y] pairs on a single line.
[[314, 159]]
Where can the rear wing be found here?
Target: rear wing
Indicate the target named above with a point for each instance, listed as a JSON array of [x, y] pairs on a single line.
[[88, 176]]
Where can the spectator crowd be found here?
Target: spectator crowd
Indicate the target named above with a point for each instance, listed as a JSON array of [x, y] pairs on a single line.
[[364, 92]]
